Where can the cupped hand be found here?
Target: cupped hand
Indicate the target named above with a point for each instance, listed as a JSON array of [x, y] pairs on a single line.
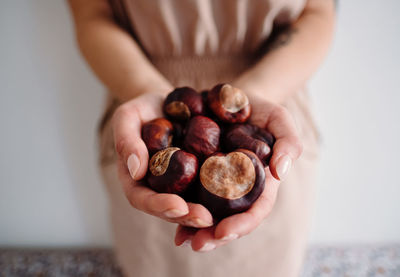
[[287, 148], [133, 159]]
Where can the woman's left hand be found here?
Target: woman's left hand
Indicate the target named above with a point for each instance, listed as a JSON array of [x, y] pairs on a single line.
[[287, 149]]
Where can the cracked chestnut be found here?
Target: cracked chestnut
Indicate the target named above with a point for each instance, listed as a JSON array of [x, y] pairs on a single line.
[[251, 137], [183, 103], [157, 134], [231, 183], [172, 170], [202, 137], [229, 104]]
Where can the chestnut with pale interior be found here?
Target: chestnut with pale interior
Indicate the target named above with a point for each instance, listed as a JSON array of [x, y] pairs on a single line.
[[232, 99], [160, 160], [230, 177], [178, 109]]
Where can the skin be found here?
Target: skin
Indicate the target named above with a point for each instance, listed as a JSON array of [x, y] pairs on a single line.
[[122, 67], [293, 56]]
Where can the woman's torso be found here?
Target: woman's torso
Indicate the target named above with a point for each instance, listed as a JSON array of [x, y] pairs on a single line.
[[182, 28]]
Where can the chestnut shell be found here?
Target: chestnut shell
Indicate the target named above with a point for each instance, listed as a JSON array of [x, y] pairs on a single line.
[[157, 134], [183, 103], [251, 137], [222, 207], [202, 136], [215, 105], [180, 173]]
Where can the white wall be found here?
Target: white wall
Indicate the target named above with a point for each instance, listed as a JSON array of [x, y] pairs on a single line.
[[50, 192], [357, 100]]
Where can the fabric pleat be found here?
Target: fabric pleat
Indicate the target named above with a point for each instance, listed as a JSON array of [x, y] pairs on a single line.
[[176, 28]]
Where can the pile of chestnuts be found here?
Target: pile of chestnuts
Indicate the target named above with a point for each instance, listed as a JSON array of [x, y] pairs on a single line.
[[206, 152]]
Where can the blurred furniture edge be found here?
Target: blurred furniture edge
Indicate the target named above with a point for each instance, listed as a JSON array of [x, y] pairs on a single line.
[[321, 260]]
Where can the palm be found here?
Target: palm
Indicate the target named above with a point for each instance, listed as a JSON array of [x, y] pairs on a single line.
[[261, 111], [127, 123], [148, 106], [277, 120]]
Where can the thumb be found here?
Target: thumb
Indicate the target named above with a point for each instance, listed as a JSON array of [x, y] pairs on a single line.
[[131, 149], [287, 147]]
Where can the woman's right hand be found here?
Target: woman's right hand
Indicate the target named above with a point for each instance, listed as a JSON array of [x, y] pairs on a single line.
[[133, 159]]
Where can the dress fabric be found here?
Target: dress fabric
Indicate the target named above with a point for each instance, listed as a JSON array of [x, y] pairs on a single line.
[[200, 43]]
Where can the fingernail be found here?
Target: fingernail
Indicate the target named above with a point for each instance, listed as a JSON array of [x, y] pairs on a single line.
[[230, 237], [173, 213], [196, 222], [200, 223], [207, 247], [283, 166], [187, 243], [133, 165]]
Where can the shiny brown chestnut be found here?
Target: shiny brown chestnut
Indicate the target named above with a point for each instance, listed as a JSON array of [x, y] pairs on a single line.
[[231, 183], [202, 136], [229, 104], [251, 137], [172, 170], [183, 103], [157, 134]]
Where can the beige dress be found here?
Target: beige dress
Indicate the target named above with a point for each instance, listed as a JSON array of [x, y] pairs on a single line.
[[201, 43]]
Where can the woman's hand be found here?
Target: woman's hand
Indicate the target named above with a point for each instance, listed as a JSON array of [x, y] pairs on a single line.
[[133, 163], [286, 150]]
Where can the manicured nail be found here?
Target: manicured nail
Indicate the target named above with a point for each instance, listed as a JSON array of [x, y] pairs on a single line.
[[283, 166], [133, 165], [173, 213], [187, 243], [200, 223], [207, 247], [230, 237], [196, 222]]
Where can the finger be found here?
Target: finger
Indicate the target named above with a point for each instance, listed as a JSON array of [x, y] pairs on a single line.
[[204, 240], [243, 223], [288, 146], [184, 235], [163, 205], [198, 216], [127, 122]]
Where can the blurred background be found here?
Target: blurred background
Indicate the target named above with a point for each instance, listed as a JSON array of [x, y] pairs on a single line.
[[51, 194]]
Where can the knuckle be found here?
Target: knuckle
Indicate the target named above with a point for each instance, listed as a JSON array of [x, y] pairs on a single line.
[[132, 202], [137, 202], [120, 113], [298, 146], [120, 146], [149, 204], [126, 111], [281, 110], [129, 196]]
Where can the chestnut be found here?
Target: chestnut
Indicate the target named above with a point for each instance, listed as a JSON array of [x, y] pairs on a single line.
[[230, 183], [183, 103], [202, 136], [207, 110], [172, 170], [229, 104], [251, 137], [178, 134], [157, 134]]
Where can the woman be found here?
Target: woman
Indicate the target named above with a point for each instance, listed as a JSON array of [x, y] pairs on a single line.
[[141, 50]]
